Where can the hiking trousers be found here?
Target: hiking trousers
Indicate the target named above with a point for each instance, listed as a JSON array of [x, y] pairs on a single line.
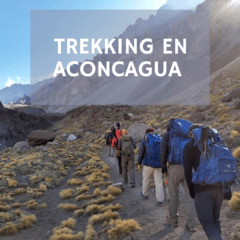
[[119, 159], [175, 177], [128, 169], [147, 172], [208, 205]]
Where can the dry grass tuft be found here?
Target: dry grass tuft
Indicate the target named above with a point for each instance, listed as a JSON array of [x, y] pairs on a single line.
[[8, 229], [5, 216], [4, 207], [236, 153], [114, 190], [109, 214], [90, 232], [18, 212], [26, 221], [44, 205], [78, 212], [75, 182], [68, 206], [32, 204], [122, 228], [234, 134], [70, 223], [12, 183], [234, 203], [67, 236], [83, 197], [16, 205], [82, 189], [66, 193]]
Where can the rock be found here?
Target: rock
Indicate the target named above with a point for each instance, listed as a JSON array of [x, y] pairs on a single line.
[[71, 138], [237, 104], [197, 117], [118, 185], [1, 105], [23, 182], [137, 131], [21, 145], [130, 115], [201, 108], [40, 137], [62, 138], [125, 116], [52, 143], [230, 104], [232, 95]]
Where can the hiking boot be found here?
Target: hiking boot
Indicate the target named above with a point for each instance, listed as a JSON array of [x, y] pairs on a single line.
[[160, 204], [171, 222], [191, 229], [141, 194]]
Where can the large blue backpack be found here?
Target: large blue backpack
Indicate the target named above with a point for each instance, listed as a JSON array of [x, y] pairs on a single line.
[[178, 137], [153, 149], [217, 166]]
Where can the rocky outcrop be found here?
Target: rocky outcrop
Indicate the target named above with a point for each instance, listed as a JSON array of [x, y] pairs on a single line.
[[40, 137], [16, 126], [232, 95], [1, 105], [137, 131]]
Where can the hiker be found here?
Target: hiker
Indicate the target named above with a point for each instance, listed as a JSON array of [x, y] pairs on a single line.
[[118, 133], [109, 137], [171, 153], [149, 156], [208, 195], [127, 146]]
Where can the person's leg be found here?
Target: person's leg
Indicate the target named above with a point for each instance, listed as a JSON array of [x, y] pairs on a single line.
[[158, 184], [173, 181], [218, 199], [204, 202], [147, 171], [109, 150], [190, 207], [119, 158], [131, 171], [124, 169]]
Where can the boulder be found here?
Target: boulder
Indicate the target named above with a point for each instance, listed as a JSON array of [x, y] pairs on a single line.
[[197, 117], [21, 145], [201, 108], [40, 137], [130, 115], [1, 105], [137, 131], [232, 95], [125, 116], [71, 138], [62, 138]]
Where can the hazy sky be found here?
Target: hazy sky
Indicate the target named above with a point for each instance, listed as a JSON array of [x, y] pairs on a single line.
[[15, 28]]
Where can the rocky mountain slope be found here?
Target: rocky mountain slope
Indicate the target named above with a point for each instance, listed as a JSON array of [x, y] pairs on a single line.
[[16, 91]]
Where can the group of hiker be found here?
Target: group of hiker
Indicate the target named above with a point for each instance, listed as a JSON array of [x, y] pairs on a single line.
[[189, 154]]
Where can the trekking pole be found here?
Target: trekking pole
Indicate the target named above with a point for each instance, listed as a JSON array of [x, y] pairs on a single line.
[[168, 198]]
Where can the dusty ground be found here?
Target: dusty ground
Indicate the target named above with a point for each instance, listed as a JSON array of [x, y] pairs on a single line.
[[150, 217]]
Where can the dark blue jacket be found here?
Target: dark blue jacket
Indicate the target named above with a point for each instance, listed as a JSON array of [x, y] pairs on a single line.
[[144, 159]]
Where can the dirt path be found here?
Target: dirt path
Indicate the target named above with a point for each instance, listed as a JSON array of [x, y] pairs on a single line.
[[150, 216]]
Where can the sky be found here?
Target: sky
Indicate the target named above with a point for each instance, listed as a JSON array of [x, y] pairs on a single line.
[[15, 30]]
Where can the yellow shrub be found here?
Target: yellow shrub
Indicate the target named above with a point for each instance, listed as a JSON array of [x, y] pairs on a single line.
[[68, 206], [26, 221], [8, 229], [18, 212], [32, 204], [70, 223], [74, 182], [90, 232], [42, 188], [66, 193], [234, 134], [234, 203], [236, 153], [15, 205], [114, 190], [78, 212], [44, 205], [122, 228], [11, 182], [5, 216], [82, 189]]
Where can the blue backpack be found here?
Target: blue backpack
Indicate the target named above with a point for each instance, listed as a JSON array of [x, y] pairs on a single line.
[[217, 166], [178, 137], [153, 149]]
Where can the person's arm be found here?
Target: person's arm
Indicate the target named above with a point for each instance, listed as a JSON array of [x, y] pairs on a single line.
[[141, 152], [188, 166], [164, 151]]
